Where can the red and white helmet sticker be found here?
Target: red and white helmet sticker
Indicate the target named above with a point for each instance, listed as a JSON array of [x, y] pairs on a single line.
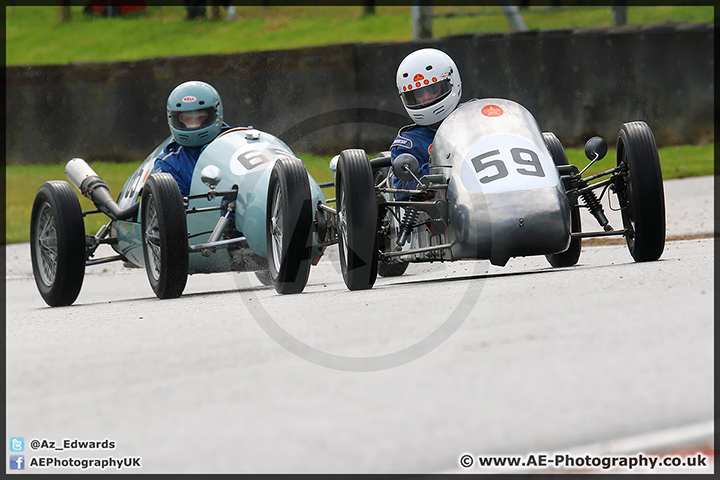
[[188, 99]]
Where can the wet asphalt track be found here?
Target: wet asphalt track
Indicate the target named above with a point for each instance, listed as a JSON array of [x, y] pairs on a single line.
[[449, 359]]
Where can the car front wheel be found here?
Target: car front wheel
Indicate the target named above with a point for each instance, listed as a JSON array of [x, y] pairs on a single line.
[[357, 220], [640, 192], [164, 236], [289, 226]]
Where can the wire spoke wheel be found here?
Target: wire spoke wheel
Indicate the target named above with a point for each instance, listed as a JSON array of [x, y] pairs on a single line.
[[57, 240], [47, 245], [342, 226], [164, 236], [289, 225], [152, 239], [276, 229]]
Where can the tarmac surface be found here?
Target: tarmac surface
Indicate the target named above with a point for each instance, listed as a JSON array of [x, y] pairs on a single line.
[[195, 385], [689, 213]]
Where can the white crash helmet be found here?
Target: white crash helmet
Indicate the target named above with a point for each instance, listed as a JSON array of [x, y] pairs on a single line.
[[429, 85]]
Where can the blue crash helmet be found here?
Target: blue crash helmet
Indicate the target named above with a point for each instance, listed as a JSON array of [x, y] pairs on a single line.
[[195, 113]]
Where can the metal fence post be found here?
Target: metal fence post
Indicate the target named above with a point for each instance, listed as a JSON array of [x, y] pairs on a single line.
[[421, 16], [619, 12], [512, 12]]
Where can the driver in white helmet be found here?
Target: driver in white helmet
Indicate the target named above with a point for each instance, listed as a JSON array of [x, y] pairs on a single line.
[[429, 85]]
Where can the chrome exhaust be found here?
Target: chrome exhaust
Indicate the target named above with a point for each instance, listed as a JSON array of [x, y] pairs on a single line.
[[93, 187]]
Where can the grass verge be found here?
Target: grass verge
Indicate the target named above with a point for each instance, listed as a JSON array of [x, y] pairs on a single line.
[[34, 35]]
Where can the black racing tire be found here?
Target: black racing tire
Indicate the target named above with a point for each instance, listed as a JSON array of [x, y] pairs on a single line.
[[556, 149], [357, 220], [569, 257], [57, 243], [641, 193], [391, 269], [289, 226], [381, 173], [164, 236]]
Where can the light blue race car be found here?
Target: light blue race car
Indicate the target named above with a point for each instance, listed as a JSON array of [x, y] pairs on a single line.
[[244, 175]]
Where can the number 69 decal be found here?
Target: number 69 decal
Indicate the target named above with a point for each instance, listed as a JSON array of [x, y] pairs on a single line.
[[255, 157], [503, 162]]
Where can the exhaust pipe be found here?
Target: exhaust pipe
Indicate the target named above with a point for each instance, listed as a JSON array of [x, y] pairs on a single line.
[[93, 187]]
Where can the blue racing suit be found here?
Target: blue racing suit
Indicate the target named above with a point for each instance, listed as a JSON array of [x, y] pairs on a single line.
[[416, 140], [179, 161]]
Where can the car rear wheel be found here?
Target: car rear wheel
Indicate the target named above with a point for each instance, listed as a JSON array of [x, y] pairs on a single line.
[[289, 226], [57, 242], [357, 220], [570, 256], [640, 192], [164, 236]]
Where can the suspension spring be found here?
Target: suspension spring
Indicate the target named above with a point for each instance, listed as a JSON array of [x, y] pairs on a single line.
[[593, 204], [409, 218]]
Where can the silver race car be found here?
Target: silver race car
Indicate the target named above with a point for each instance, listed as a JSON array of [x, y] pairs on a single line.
[[498, 188]]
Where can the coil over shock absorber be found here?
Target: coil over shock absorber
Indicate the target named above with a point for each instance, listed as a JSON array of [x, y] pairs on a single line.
[[592, 203], [406, 225], [595, 149], [406, 167]]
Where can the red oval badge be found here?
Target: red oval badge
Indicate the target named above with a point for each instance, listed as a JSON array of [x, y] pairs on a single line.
[[189, 98], [492, 111]]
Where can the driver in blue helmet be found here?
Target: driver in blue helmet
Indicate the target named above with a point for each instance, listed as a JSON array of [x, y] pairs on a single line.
[[195, 117], [429, 86]]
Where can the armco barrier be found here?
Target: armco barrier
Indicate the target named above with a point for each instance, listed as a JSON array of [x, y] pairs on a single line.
[[577, 83]]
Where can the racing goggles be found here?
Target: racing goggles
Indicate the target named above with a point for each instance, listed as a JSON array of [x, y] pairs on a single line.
[[193, 119], [427, 95]]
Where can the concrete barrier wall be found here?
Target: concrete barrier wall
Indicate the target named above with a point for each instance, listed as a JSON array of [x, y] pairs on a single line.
[[577, 83]]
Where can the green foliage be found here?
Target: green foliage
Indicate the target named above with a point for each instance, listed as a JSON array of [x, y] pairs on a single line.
[[23, 181], [36, 36]]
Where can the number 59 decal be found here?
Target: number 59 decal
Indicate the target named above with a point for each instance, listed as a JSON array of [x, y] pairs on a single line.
[[504, 162]]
